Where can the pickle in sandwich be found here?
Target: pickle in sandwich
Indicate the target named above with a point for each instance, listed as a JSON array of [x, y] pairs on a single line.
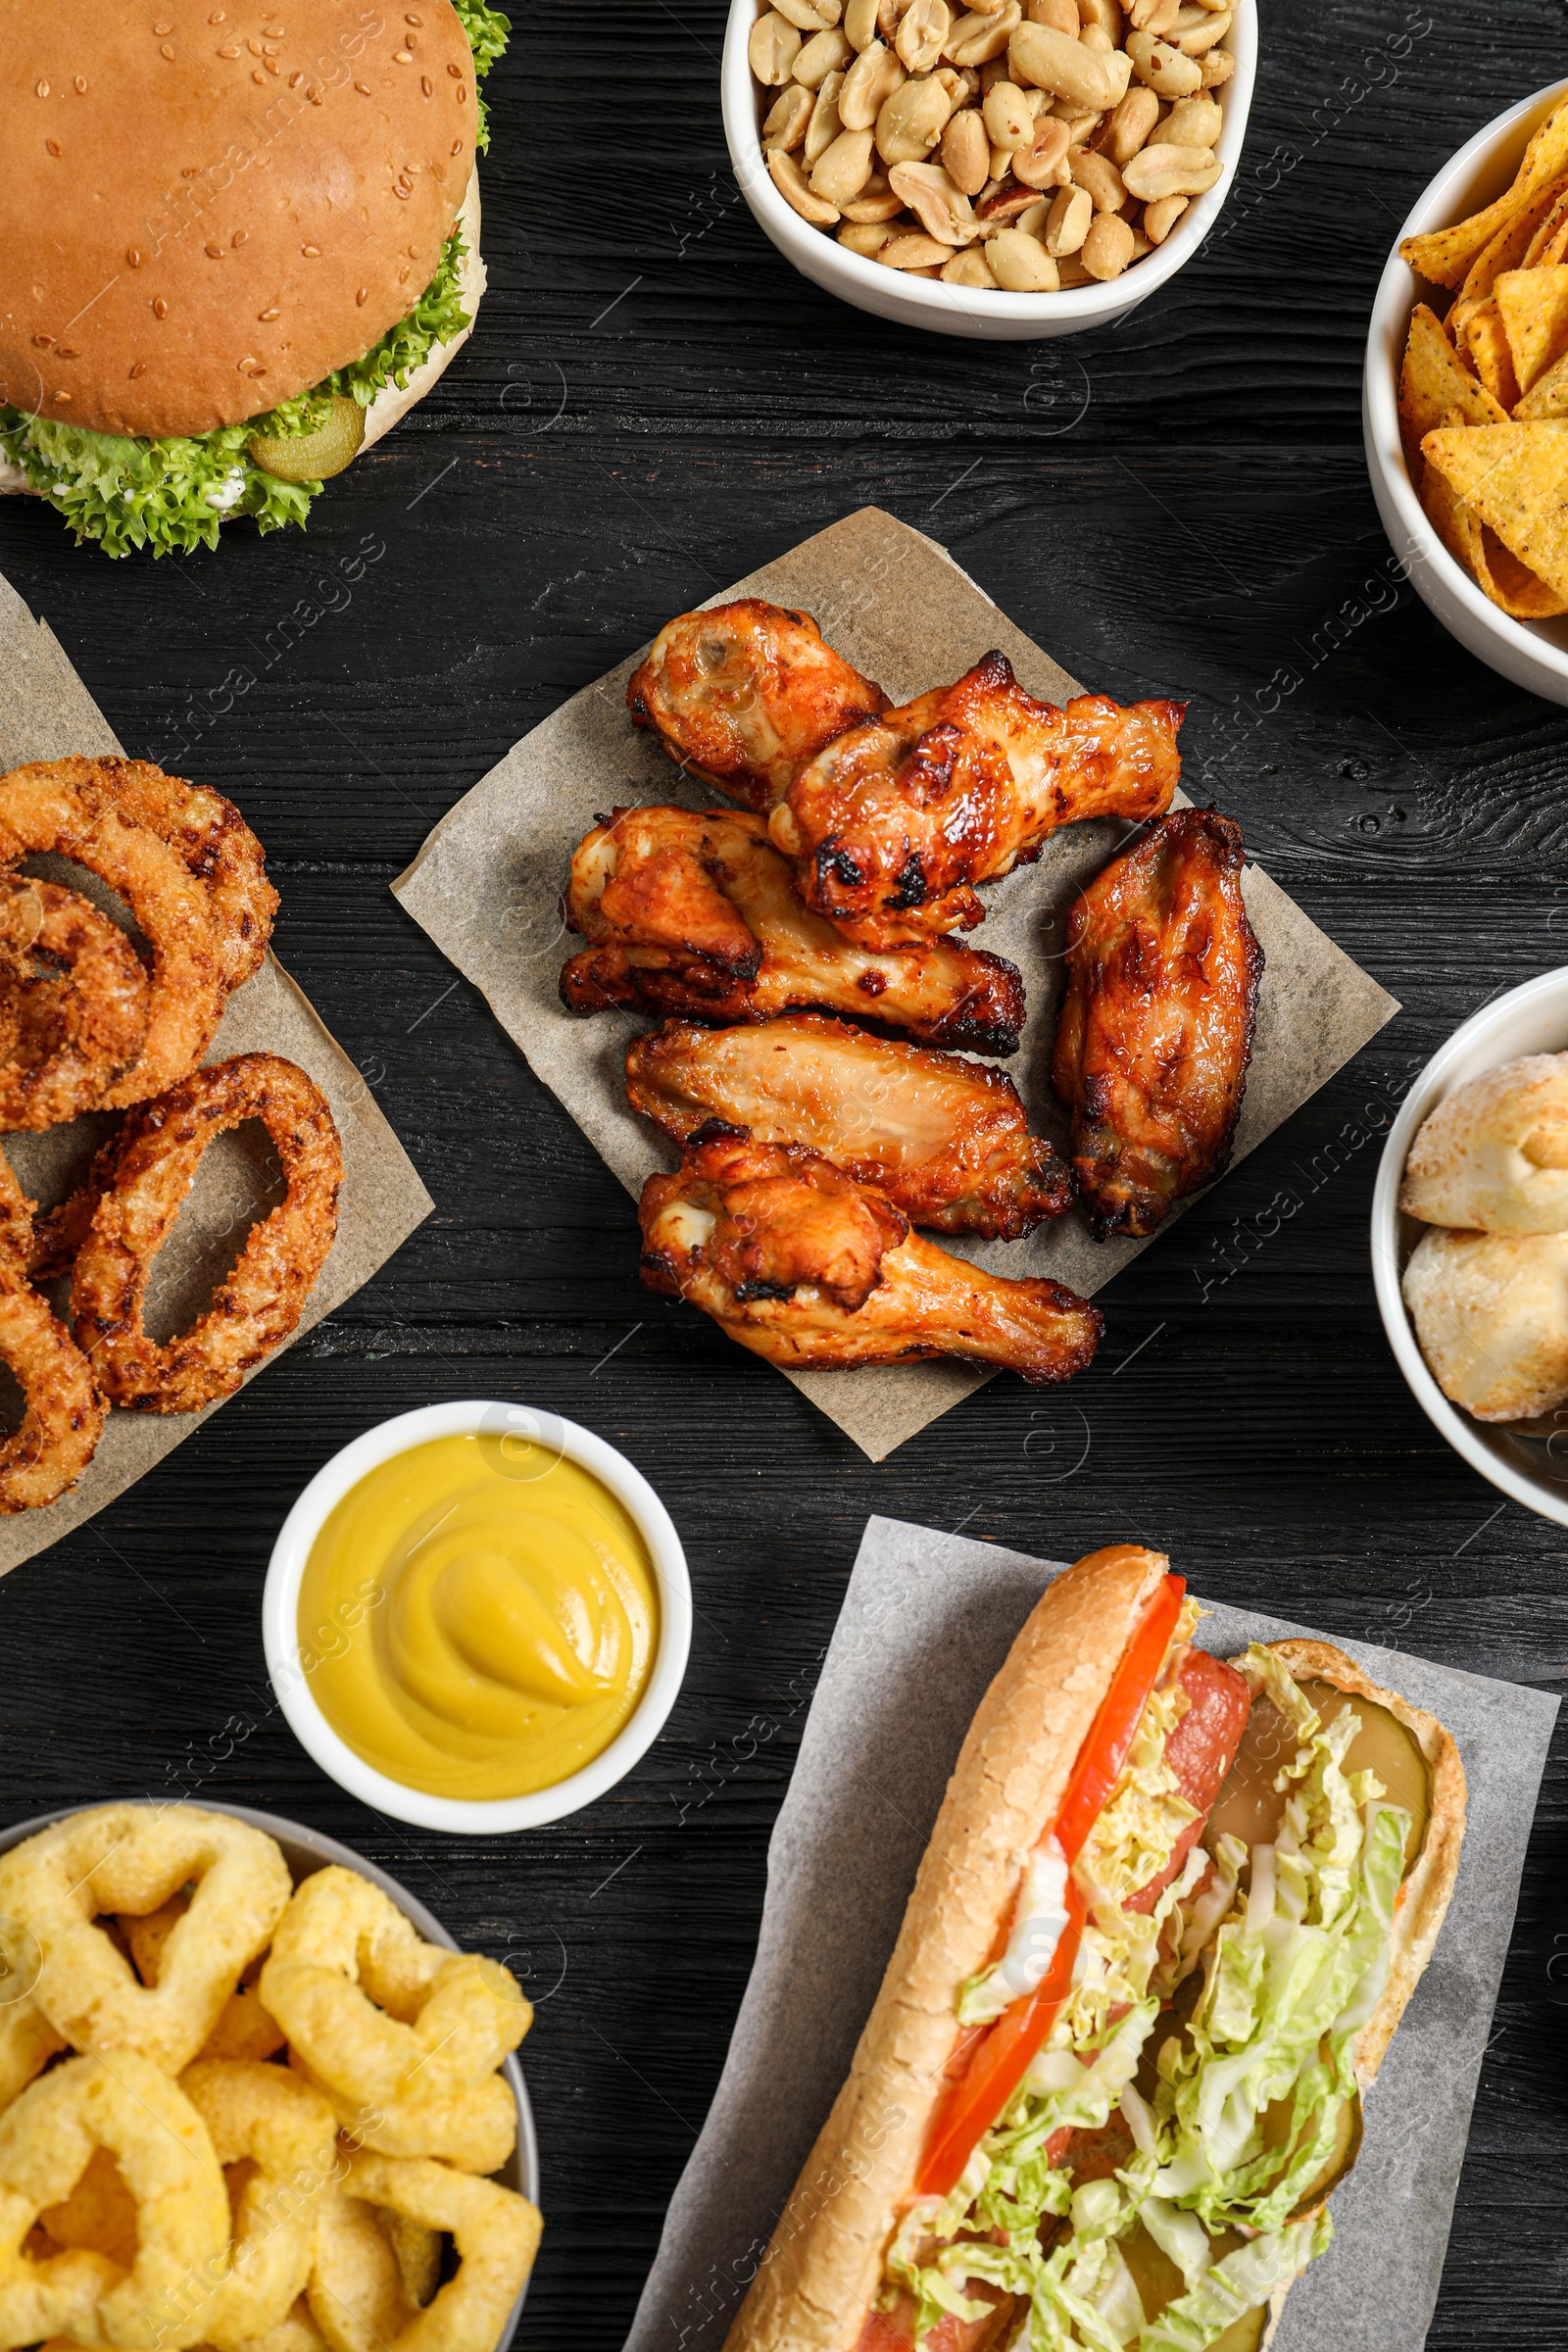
[[1169, 1919]]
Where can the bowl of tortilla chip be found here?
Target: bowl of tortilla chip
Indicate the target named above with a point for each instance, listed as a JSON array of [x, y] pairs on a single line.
[[1464, 407]]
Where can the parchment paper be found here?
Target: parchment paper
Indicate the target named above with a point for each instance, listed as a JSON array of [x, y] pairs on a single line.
[[47, 714], [926, 1622], [487, 884]]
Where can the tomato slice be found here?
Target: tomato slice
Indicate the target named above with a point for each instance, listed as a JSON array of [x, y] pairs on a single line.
[[999, 2056]]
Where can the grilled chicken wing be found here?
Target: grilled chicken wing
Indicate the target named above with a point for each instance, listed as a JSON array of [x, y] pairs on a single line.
[[743, 695], [947, 1140], [895, 821], [1155, 1028], [698, 914], [805, 1266]]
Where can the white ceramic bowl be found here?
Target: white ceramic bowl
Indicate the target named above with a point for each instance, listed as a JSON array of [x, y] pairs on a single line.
[[1533, 654], [291, 1680], [962, 310], [306, 1851], [1532, 1019]]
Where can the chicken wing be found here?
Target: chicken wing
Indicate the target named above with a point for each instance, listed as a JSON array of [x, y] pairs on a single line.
[[805, 1266], [697, 914], [947, 1140], [743, 695], [1155, 1028], [897, 819]]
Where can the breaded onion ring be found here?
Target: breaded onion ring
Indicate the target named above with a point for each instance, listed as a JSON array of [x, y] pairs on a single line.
[[73, 999], [212, 842], [496, 2236], [132, 1857], [64, 1418], [41, 808], [154, 1168]]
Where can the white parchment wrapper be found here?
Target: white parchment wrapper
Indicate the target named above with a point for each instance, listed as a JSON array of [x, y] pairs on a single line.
[[926, 1622], [486, 886]]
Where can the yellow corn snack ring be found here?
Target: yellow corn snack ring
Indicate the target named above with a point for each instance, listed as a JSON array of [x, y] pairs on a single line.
[[496, 2235], [270, 2120], [244, 2030], [476, 2129]]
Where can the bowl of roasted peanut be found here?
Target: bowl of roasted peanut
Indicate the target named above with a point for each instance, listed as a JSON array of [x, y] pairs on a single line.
[[1029, 170]]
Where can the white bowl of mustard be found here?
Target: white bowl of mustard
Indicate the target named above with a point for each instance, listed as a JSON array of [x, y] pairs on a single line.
[[477, 1617]]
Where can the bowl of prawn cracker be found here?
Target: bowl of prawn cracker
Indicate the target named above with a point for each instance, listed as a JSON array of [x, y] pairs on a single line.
[[252, 2097], [1465, 394]]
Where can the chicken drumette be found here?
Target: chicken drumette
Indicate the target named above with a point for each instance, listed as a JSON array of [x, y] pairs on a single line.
[[805, 1266], [891, 825], [743, 695], [1155, 1028], [947, 1140], [698, 914]]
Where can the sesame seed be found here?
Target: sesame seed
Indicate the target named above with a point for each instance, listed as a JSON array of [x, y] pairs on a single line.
[[264, 316], [63, 396], [427, 84], [257, 74], [133, 258], [312, 253], [462, 93], [456, 146], [168, 50], [215, 253], [271, 65], [402, 275], [363, 296], [455, 73], [314, 94], [44, 342], [189, 171], [239, 236], [414, 19], [403, 57], [140, 368], [217, 17], [80, 85], [70, 353], [255, 47], [160, 307], [294, 80], [53, 146], [250, 366], [43, 90], [229, 50]]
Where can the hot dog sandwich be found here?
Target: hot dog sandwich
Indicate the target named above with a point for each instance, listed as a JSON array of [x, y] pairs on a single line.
[[1169, 1919]]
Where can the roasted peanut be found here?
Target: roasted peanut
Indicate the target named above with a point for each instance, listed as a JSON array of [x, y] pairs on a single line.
[[1021, 263], [876, 202], [977, 38], [1071, 269], [913, 250], [1080, 127], [786, 175], [810, 16], [1108, 247], [865, 238], [1062, 15], [968, 268], [1045, 160], [824, 54], [1197, 29], [943, 211], [1098, 41], [1163, 68], [868, 85], [912, 121], [1165, 171], [1104, 13], [1154, 16], [824, 126], [1100, 176], [1053, 60], [1218, 66], [964, 88], [1032, 219], [965, 152], [922, 31], [1130, 125], [1161, 217], [998, 161], [1193, 123], [773, 49], [842, 171], [1008, 117], [787, 119], [1067, 221], [860, 24]]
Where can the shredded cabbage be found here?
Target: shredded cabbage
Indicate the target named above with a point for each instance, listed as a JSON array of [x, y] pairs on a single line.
[[171, 495], [1250, 2096]]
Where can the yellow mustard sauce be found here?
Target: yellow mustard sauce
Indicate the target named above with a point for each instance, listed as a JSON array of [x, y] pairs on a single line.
[[478, 1620]]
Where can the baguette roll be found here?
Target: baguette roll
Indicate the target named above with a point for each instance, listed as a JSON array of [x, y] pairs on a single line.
[[825, 2266]]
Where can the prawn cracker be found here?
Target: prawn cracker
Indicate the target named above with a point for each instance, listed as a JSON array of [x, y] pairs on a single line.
[[1515, 476], [1445, 255], [1433, 381]]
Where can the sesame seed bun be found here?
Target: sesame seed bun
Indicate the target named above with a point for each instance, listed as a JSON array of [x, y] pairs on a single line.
[[209, 205]]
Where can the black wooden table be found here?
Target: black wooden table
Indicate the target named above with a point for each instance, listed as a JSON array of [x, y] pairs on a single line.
[[655, 403]]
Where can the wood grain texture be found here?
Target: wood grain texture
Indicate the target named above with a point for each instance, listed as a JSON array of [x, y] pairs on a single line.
[[1176, 505]]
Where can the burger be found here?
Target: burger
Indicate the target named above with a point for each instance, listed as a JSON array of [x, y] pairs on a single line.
[[237, 242]]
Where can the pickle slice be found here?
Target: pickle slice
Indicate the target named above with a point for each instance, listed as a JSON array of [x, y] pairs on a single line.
[[1158, 2282], [1249, 1806], [313, 457]]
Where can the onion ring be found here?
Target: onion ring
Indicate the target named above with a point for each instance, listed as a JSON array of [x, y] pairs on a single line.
[[266, 2118], [496, 2233], [243, 2029], [41, 808], [76, 1027], [132, 1857], [166, 2159], [211, 838], [154, 1168], [64, 1418], [376, 2014]]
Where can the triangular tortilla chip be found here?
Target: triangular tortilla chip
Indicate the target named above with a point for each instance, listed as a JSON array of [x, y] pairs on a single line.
[[1432, 382], [1506, 251], [1547, 242], [1513, 585], [1481, 553], [1488, 346], [1516, 478], [1445, 255], [1533, 305], [1455, 523], [1548, 396]]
